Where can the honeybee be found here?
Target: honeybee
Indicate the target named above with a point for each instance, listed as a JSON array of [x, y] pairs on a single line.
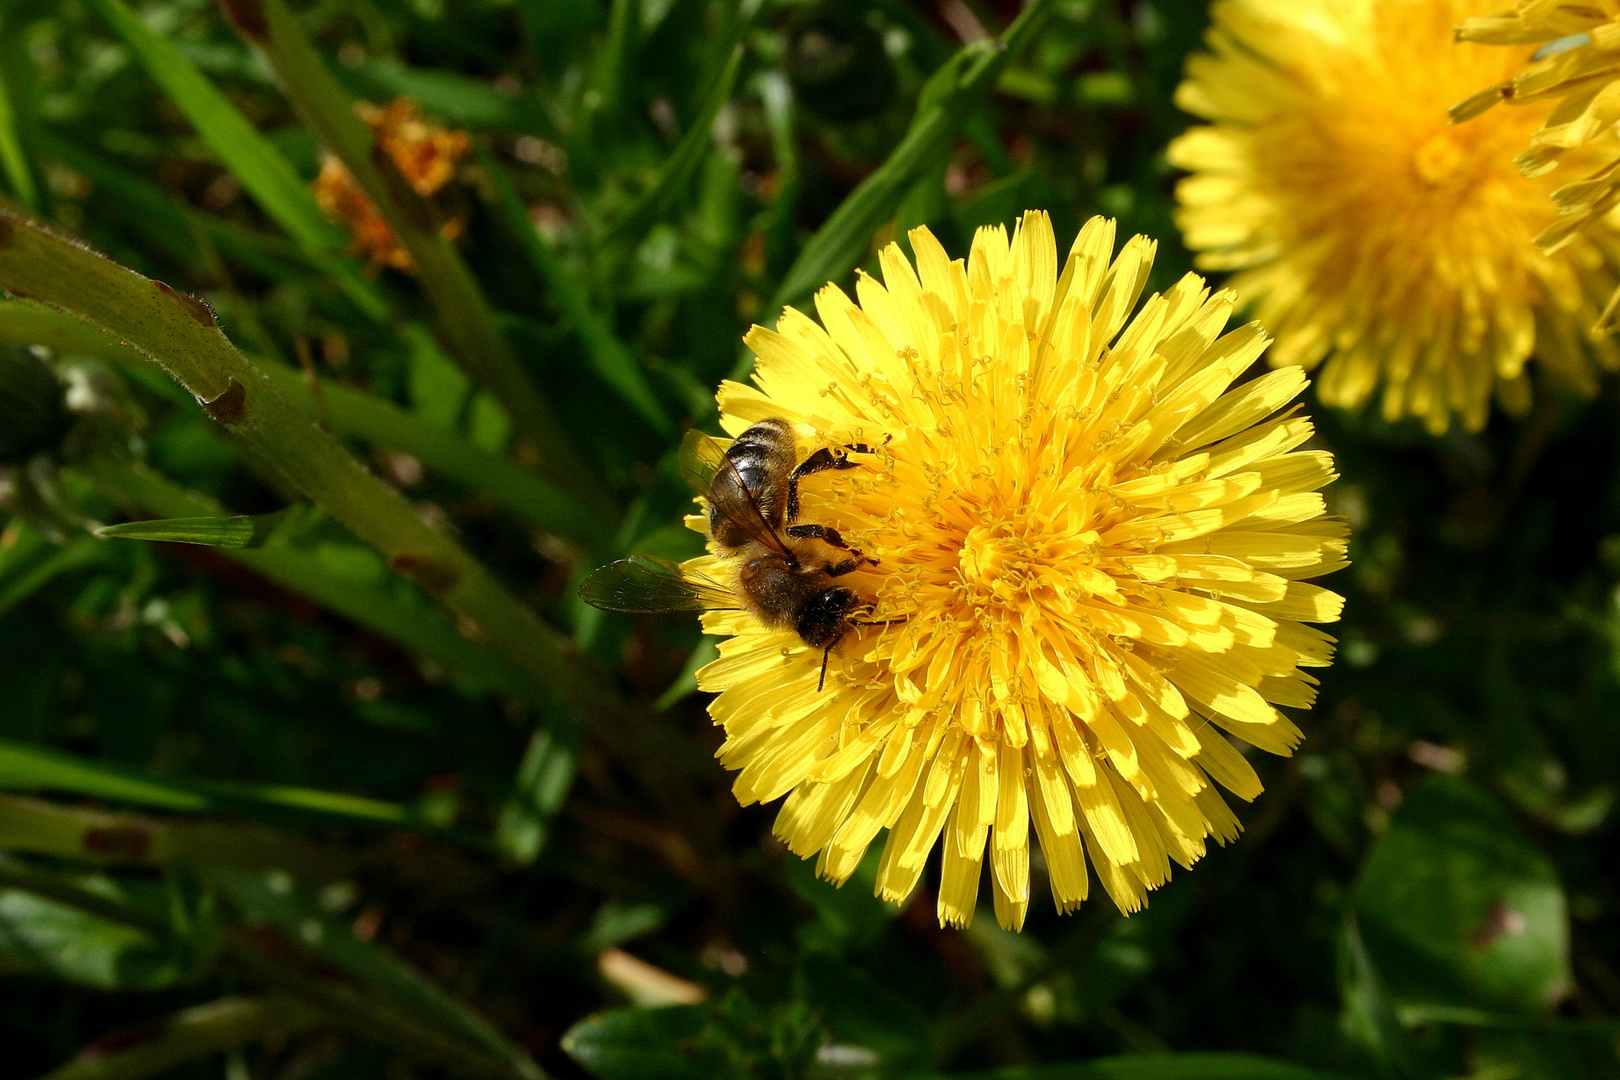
[[785, 580]]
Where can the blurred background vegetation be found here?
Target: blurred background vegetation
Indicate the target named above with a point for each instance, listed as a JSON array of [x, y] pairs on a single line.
[[267, 813]]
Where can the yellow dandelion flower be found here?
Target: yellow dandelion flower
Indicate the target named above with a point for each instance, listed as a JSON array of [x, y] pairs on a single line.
[[1091, 556], [1369, 234], [1578, 66]]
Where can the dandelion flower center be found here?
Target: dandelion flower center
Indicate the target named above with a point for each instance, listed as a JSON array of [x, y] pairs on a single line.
[[1441, 158]]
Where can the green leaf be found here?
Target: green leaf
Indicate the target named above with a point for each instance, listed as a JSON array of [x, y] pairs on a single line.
[[53, 938], [616, 923], [241, 531], [1457, 906], [1561, 1055], [538, 792], [646, 1044], [438, 388]]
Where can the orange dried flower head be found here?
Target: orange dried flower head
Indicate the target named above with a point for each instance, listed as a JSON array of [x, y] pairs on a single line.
[[425, 154]]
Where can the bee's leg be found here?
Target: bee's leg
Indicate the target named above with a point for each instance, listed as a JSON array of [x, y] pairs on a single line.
[[820, 461], [863, 448], [840, 569], [818, 532], [826, 535]]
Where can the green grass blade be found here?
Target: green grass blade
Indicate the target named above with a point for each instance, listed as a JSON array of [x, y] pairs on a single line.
[[678, 168], [177, 228], [352, 583], [252, 160], [347, 411], [951, 94], [538, 792], [36, 769], [15, 588], [607, 353], [354, 412], [75, 892], [459, 99], [240, 531], [13, 159], [263, 172], [331, 804], [37, 827]]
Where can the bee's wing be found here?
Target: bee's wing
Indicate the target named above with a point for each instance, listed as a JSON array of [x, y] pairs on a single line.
[[713, 475], [643, 585]]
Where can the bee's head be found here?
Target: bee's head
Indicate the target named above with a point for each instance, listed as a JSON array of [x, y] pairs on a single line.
[[825, 616]]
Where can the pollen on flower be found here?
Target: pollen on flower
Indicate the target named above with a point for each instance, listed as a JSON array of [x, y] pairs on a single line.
[[1091, 555], [425, 154], [1370, 235]]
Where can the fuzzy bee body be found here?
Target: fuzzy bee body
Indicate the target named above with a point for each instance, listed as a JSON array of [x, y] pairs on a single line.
[[785, 596], [785, 574]]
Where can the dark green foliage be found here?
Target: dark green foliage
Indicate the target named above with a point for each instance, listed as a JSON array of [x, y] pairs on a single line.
[[33, 416], [272, 808]]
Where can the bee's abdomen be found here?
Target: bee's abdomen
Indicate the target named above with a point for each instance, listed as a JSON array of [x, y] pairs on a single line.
[[763, 455]]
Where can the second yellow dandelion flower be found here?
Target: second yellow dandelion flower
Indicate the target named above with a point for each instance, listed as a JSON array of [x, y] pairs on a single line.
[[1369, 234]]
